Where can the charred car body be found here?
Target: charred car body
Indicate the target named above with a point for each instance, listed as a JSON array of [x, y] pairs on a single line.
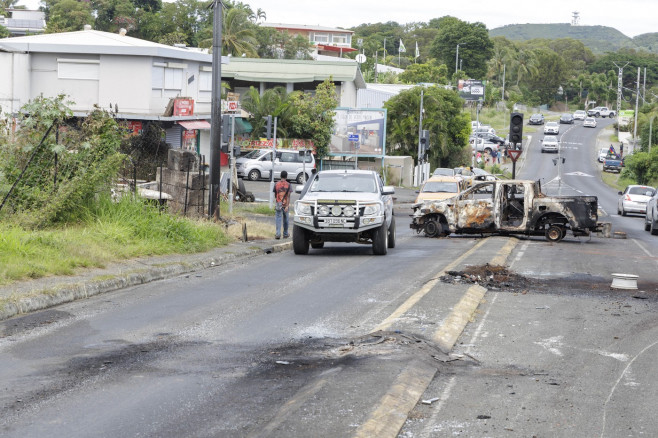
[[508, 207]]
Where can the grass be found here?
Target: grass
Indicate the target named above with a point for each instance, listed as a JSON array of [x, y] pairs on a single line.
[[617, 180], [110, 232]]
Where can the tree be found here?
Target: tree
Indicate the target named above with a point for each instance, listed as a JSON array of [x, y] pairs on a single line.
[[274, 102], [429, 72], [550, 74], [238, 36], [4, 32], [449, 127], [475, 46], [69, 16]]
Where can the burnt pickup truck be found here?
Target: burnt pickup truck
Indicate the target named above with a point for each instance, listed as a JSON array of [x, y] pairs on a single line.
[[508, 207]]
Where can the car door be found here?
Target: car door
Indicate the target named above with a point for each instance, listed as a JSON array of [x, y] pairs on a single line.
[[265, 164], [474, 208], [512, 201]]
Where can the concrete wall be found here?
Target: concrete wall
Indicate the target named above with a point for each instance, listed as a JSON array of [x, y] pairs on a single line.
[[126, 82], [14, 82]]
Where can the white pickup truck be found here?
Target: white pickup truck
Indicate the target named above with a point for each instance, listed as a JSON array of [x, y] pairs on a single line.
[[601, 111]]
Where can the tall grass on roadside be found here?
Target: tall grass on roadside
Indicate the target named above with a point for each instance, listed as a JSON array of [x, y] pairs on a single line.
[[109, 232]]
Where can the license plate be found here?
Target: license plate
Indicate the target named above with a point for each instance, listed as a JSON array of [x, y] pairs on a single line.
[[336, 221]]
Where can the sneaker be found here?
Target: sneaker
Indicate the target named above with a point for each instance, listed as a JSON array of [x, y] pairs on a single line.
[[285, 236], [277, 237]]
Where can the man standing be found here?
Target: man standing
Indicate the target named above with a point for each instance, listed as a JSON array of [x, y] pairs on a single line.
[[282, 198]]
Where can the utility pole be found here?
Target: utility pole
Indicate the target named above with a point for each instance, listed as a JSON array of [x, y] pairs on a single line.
[[456, 58], [637, 102], [216, 111], [503, 95], [644, 87], [420, 134], [619, 86]]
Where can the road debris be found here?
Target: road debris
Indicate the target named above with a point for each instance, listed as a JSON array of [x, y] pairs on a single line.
[[430, 401]]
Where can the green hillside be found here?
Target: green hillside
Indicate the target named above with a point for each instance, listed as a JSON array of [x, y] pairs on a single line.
[[599, 39]]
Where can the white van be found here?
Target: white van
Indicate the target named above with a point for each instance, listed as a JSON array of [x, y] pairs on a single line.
[[257, 164]]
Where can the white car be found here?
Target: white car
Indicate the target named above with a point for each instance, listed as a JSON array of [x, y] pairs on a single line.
[[579, 115], [603, 152], [552, 128], [590, 122], [550, 143], [634, 199]]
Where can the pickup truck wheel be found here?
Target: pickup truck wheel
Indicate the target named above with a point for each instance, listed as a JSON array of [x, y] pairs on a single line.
[[299, 240], [647, 224], [391, 233], [380, 240], [433, 228], [554, 233], [254, 175], [597, 115]]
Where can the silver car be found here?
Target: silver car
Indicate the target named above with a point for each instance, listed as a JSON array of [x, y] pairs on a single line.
[[552, 128], [550, 143], [634, 199], [651, 215], [258, 164]]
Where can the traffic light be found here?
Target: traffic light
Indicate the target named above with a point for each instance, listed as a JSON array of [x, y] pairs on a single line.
[[516, 128], [268, 127], [226, 128]]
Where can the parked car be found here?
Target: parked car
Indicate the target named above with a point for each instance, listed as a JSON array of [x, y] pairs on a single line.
[[612, 163], [344, 206], [536, 119], [634, 199], [440, 187], [489, 137], [651, 215], [603, 153], [589, 122], [482, 145], [258, 163], [443, 171], [552, 128], [484, 129], [567, 119], [579, 115], [550, 143]]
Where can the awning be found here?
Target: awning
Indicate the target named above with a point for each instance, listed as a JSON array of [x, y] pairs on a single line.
[[194, 124], [242, 126], [336, 48]]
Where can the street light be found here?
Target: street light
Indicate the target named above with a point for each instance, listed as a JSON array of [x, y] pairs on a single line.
[[457, 57]]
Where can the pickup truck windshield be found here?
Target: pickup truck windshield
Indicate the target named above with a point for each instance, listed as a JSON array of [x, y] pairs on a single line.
[[440, 187], [340, 182]]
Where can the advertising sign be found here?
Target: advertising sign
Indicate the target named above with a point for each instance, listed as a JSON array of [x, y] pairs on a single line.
[[359, 131], [470, 89]]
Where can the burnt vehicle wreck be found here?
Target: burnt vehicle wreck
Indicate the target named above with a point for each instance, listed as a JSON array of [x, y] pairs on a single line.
[[508, 207]]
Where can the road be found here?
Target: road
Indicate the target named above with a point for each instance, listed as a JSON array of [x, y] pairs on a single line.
[[343, 343]]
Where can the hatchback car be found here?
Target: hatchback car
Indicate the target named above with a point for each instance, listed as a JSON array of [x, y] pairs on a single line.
[[550, 144], [590, 122], [651, 215], [579, 115], [634, 199], [552, 128], [536, 119], [566, 119]]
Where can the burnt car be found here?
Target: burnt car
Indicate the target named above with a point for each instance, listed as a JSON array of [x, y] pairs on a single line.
[[508, 207]]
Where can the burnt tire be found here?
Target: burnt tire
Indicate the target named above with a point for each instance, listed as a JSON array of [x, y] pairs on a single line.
[[299, 240], [433, 228], [391, 233], [253, 175], [555, 233], [380, 240]]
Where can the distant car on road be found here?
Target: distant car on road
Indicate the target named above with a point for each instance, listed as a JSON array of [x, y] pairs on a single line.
[[634, 199], [601, 111], [603, 153], [590, 122], [567, 119], [550, 143], [651, 215], [443, 171], [552, 128], [536, 119], [440, 187], [579, 115]]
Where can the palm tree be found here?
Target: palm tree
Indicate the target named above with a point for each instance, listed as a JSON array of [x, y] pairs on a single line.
[[274, 102], [238, 38], [526, 64]]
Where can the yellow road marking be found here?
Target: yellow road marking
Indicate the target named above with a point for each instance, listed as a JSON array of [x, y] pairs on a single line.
[[393, 410], [447, 334], [412, 300]]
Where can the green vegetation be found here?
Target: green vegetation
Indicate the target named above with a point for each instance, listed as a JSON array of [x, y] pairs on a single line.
[[108, 231]]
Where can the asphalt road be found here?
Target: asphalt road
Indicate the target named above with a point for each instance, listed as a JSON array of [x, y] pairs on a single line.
[[343, 343]]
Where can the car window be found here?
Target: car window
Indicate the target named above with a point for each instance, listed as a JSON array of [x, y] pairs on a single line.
[[440, 187], [640, 190], [344, 182]]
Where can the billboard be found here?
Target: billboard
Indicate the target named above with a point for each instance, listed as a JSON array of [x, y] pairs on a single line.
[[470, 89], [359, 131]]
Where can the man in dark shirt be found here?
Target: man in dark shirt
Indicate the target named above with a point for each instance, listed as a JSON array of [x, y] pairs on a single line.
[[282, 199]]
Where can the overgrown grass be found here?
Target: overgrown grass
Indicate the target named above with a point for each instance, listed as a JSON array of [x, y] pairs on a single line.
[[617, 180], [109, 232]]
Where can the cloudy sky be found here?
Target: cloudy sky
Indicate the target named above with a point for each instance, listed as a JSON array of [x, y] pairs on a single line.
[[631, 17]]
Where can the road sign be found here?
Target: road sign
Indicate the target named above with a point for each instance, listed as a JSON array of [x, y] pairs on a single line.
[[514, 154], [353, 137], [360, 58]]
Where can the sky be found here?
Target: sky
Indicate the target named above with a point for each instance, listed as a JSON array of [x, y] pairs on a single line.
[[631, 17]]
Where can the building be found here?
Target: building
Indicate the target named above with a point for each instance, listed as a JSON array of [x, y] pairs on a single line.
[[24, 22], [328, 41], [138, 79]]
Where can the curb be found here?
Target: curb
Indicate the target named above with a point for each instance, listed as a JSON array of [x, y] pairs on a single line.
[[40, 299]]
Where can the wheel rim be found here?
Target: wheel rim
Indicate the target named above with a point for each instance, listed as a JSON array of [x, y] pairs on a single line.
[[554, 233], [432, 228]]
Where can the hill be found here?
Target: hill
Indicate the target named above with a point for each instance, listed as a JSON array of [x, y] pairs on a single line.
[[599, 39]]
